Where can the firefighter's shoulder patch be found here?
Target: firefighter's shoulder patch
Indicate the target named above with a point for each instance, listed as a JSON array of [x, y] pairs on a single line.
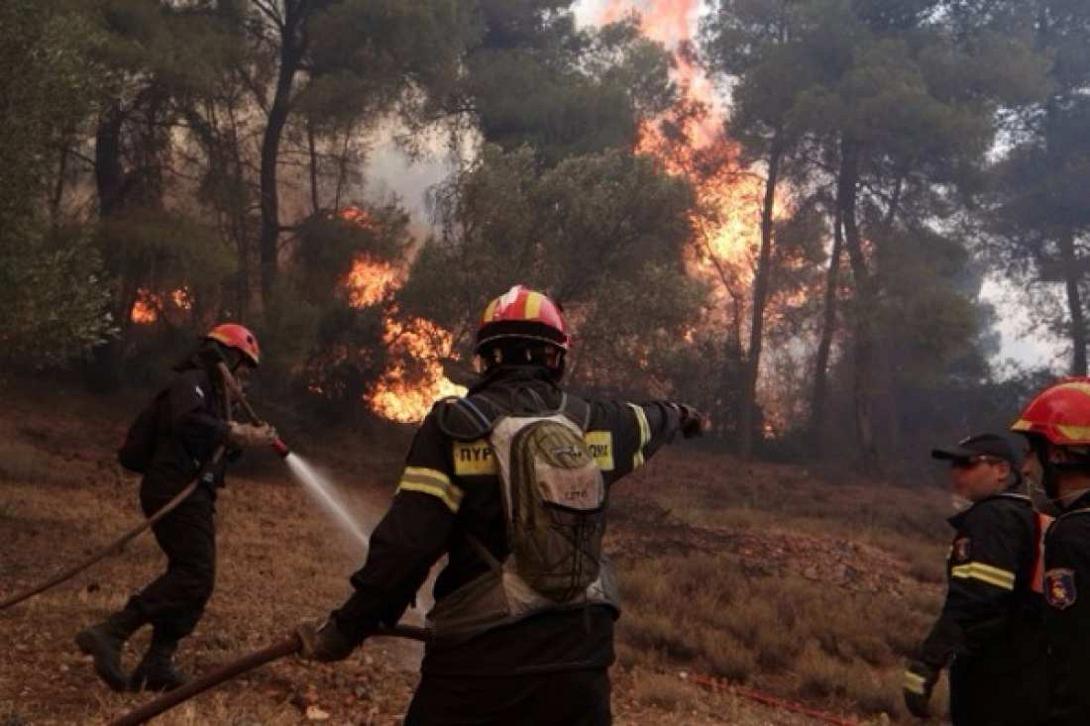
[[474, 458], [1059, 587], [962, 549]]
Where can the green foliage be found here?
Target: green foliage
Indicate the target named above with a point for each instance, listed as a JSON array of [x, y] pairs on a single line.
[[367, 57], [162, 251], [52, 302], [324, 346], [603, 233], [561, 90]]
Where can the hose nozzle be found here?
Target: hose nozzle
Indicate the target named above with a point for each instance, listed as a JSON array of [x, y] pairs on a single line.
[[281, 448]]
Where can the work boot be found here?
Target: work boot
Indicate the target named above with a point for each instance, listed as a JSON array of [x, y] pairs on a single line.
[[104, 642], [156, 671]]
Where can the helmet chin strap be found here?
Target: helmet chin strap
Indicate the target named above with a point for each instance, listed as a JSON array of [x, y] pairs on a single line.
[[1051, 471]]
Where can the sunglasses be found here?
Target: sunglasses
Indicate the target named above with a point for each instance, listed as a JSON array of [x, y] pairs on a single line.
[[973, 462]]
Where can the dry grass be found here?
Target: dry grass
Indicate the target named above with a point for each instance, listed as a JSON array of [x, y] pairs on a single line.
[[809, 591], [280, 562]]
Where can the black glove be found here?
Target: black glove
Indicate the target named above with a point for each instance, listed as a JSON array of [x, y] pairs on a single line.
[[324, 643], [920, 680], [690, 420]]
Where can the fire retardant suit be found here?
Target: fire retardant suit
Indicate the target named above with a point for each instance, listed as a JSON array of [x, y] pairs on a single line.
[[990, 631], [1067, 614], [545, 668]]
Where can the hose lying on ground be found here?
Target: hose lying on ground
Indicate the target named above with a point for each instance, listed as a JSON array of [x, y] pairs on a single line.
[[114, 547], [224, 673]]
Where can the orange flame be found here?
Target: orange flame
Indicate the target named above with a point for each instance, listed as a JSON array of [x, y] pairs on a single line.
[[414, 379], [404, 395], [149, 306], [145, 310], [370, 281], [728, 225]]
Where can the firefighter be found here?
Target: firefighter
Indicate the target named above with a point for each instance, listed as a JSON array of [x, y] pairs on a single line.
[[990, 631], [1057, 424], [189, 429], [502, 650]]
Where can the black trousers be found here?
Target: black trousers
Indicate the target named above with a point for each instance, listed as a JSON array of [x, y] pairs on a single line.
[[174, 602], [980, 696], [572, 698]]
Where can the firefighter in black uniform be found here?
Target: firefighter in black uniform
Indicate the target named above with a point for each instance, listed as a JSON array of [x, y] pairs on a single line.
[[990, 632], [1057, 424], [546, 663], [193, 436]]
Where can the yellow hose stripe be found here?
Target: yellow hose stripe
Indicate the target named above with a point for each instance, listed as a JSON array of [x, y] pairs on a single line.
[[914, 682], [533, 305], [985, 573], [450, 497], [490, 311]]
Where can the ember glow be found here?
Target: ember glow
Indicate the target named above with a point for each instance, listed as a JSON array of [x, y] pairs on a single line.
[[414, 379], [145, 310], [149, 306]]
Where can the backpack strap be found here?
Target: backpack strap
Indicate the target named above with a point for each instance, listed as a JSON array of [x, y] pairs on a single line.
[[463, 420], [576, 410]]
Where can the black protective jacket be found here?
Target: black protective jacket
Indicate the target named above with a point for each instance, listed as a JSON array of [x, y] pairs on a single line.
[[991, 625], [191, 424], [1067, 614], [450, 488]]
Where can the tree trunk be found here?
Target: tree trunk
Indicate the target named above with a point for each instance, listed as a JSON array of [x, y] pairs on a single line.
[[865, 300], [1074, 303], [109, 174], [57, 197], [103, 372], [290, 57], [828, 332], [761, 284], [312, 152]]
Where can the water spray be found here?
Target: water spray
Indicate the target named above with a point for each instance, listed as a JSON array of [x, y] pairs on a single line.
[[281, 649], [315, 483]]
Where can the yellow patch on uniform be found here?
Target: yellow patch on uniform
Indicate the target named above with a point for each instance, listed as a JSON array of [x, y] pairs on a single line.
[[474, 458], [600, 444]]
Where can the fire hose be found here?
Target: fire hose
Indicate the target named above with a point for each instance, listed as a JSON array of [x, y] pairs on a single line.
[[236, 391], [718, 685], [118, 545], [276, 651]]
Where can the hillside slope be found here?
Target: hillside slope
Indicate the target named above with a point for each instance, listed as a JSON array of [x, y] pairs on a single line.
[[805, 591]]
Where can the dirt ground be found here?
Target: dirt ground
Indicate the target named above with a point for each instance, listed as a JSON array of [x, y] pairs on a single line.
[[282, 562]]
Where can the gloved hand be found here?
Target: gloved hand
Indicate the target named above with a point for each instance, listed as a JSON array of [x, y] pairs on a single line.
[[250, 436], [692, 421], [920, 680], [324, 642]]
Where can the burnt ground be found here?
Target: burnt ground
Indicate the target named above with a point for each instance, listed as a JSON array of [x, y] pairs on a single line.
[[282, 562]]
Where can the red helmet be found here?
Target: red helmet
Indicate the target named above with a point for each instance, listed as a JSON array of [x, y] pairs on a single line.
[[238, 337], [1060, 413], [526, 314]]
